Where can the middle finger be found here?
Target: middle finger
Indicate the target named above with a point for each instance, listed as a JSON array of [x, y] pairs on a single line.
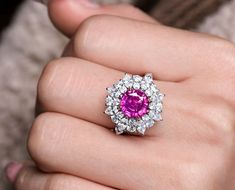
[[139, 47]]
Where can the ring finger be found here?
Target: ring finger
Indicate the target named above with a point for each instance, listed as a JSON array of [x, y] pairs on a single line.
[[79, 87]]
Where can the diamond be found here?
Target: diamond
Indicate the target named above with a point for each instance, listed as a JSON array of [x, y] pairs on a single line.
[[161, 97], [131, 129], [136, 86], [115, 102], [109, 111], [121, 127], [152, 106], [155, 115], [108, 100], [144, 86], [123, 89], [154, 88], [159, 107], [114, 119], [148, 92], [110, 90], [125, 121], [127, 77], [141, 130], [118, 85], [146, 118], [137, 78], [118, 132], [118, 94], [149, 123], [148, 78], [115, 109], [132, 122], [128, 84], [120, 115], [154, 98]]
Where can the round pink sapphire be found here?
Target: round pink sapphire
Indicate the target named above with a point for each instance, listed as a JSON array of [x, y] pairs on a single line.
[[134, 103]]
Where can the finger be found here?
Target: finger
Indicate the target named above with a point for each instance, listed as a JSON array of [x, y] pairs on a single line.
[[140, 47], [59, 143], [30, 178], [67, 15], [77, 87]]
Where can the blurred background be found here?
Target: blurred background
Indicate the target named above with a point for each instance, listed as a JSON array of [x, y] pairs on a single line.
[[173, 8], [7, 10], [28, 41]]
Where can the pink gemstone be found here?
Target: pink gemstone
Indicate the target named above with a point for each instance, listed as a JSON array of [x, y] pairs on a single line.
[[134, 103]]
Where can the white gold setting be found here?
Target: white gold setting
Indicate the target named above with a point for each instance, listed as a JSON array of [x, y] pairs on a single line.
[[125, 123]]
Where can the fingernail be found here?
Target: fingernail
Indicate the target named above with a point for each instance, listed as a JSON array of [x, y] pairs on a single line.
[[12, 170]]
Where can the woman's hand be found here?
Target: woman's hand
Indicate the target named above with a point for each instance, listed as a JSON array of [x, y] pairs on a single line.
[[193, 148]]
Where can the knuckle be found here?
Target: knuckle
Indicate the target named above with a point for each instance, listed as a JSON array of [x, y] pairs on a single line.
[[21, 180], [54, 182], [219, 115], [94, 29], [221, 68], [223, 56], [38, 139], [47, 78], [55, 82]]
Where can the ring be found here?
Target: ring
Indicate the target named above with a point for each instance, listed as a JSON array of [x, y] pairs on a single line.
[[134, 104]]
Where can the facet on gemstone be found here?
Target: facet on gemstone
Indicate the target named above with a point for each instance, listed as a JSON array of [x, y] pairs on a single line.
[[123, 89], [120, 115], [131, 129], [148, 92], [109, 111], [148, 78], [157, 117], [118, 131], [161, 97], [127, 77], [114, 119], [141, 129], [134, 103], [149, 123], [136, 86], [137, 78]]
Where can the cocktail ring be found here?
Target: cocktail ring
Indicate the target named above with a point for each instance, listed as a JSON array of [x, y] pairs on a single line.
[[134, 104]]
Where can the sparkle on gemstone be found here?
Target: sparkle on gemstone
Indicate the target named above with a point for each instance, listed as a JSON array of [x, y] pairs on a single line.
[[134, 103]]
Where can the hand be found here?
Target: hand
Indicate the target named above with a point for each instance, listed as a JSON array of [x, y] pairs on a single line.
[[66, 15], [194, 148]]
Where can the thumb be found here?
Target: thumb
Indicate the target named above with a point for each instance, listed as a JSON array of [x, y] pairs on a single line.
[[68, 14]]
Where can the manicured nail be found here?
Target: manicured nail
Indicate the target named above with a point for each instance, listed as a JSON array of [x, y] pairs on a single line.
[[12, 170]]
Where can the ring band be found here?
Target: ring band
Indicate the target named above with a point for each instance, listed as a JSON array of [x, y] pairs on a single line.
[[134, 104]]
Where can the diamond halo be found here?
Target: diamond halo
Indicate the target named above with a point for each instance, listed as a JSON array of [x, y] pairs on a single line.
[[134, 104]]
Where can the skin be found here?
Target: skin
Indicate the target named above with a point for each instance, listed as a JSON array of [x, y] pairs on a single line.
[[193, 148]]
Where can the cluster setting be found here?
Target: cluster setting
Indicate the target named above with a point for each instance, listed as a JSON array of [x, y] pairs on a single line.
[[134, 104]]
